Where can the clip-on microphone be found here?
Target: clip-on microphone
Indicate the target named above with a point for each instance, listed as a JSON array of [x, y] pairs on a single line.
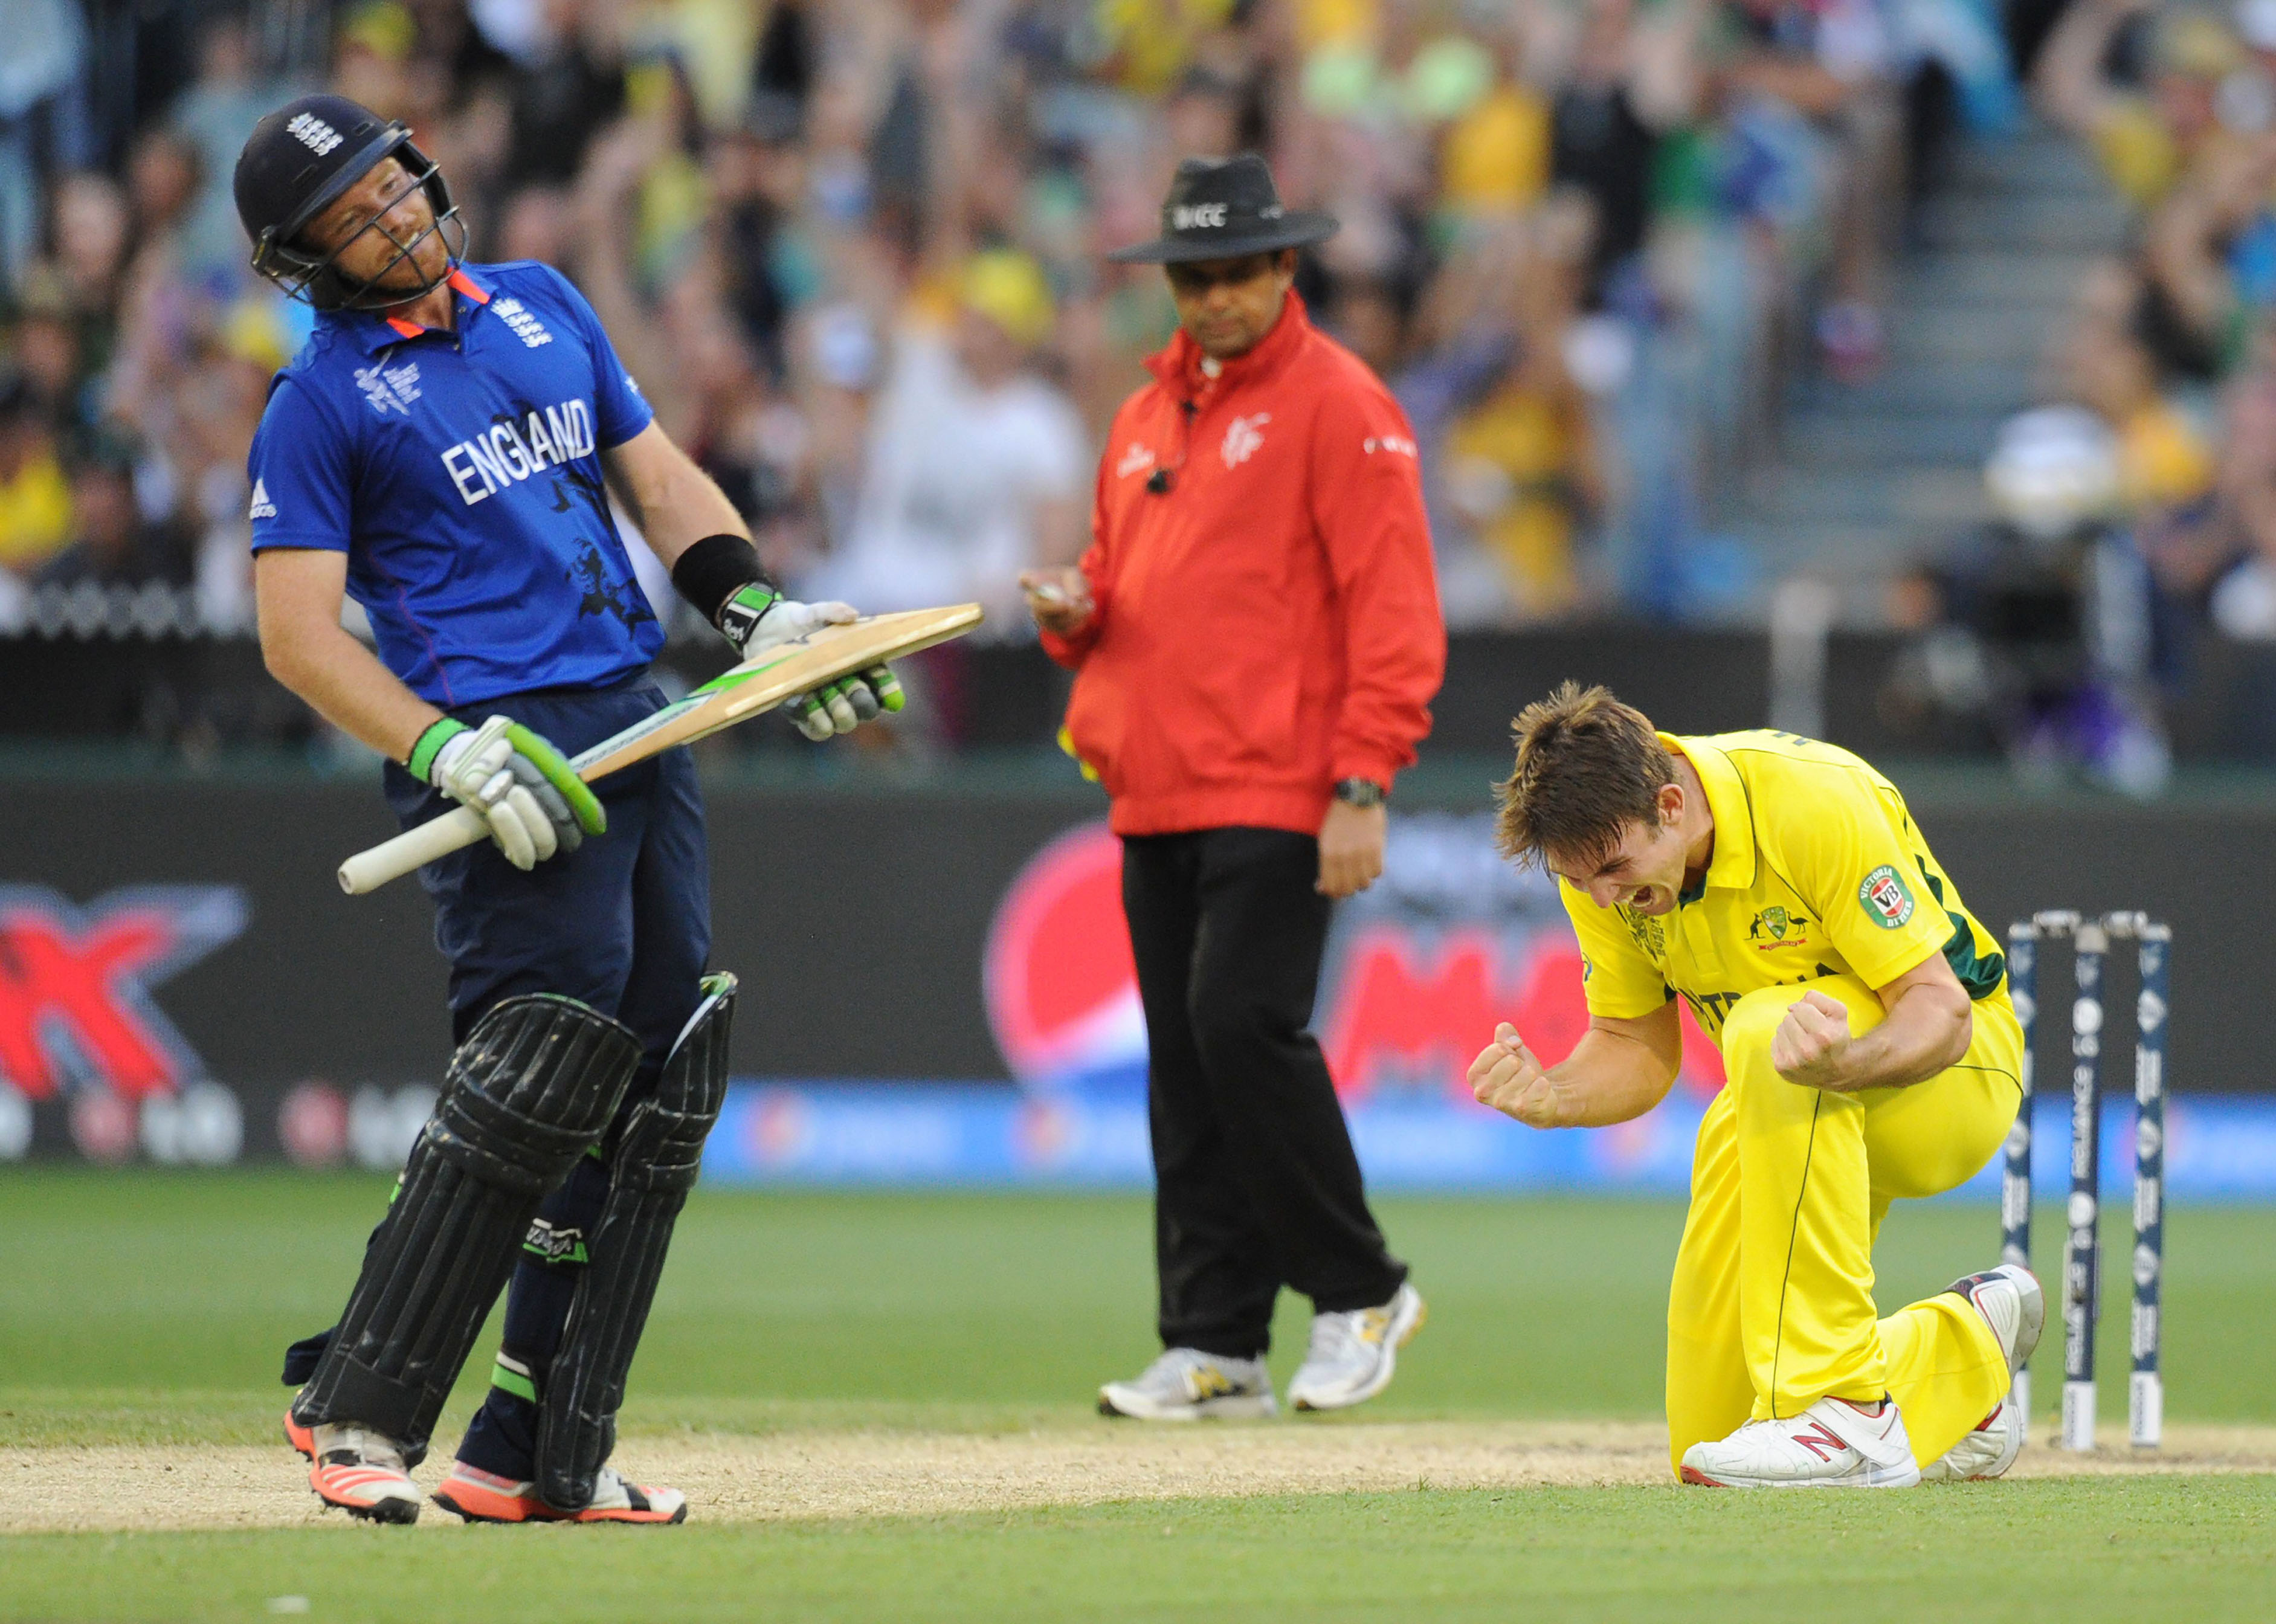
[[1160, 482]]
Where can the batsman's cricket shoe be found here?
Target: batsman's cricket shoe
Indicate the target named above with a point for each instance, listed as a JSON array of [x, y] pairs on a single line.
[[2012, 1303], [1831, 1445], [1353, 1355], [357, 1470], [1186, 1384], [484, 1497]]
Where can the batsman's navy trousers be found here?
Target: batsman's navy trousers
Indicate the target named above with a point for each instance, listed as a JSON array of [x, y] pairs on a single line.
[[624, 923], [1256, 1184]]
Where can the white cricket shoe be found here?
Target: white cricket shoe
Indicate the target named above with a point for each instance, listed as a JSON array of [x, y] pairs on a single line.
[[1353, 1355], [2012, 1303], [1831, 1445], [1986, 1451], [1186, 1384]]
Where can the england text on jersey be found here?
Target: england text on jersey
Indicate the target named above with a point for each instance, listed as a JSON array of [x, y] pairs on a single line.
[[507, 453]]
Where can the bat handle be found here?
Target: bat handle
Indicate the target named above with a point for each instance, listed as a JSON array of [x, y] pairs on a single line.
[[438, 837]]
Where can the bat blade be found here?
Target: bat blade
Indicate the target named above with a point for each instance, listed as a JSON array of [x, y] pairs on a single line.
[[750, 689]]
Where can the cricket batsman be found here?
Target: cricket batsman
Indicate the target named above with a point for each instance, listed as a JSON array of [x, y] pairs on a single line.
[[1870, 1053], [443, 451]]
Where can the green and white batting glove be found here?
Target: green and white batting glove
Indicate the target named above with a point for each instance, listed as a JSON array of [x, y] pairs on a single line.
[[525, 788], [757, 618]]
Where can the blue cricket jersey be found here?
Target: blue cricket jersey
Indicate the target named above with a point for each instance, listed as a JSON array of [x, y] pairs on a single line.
[[460, 473]]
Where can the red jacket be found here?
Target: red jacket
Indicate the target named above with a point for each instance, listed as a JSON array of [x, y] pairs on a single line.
[[1269, 625]]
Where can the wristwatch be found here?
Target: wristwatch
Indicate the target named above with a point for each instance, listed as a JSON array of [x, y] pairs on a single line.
[[1361, 792]]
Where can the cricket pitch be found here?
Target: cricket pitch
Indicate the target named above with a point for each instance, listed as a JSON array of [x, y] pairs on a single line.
[[801, 1475]]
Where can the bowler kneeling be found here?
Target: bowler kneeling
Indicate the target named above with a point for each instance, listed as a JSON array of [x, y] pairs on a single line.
[[1870, 1051]]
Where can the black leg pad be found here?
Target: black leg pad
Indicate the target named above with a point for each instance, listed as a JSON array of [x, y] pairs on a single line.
[[655, 1161], [531, 1089]]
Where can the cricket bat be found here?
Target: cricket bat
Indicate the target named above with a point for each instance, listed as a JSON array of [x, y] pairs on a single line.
[[750, 689]]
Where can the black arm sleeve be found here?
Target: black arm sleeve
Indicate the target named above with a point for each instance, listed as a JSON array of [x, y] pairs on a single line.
[[714, 570]]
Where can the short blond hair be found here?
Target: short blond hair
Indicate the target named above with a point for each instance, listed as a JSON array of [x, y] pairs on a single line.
[[1587, 766]]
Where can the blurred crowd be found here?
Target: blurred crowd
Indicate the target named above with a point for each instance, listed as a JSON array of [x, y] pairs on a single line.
[[851, 250], [2135, 513]]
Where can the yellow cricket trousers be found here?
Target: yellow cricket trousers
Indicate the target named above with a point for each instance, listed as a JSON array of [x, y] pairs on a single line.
[[1772, 1308]]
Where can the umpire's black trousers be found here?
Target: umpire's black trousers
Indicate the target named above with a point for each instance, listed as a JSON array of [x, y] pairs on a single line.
[[1256, 1184]]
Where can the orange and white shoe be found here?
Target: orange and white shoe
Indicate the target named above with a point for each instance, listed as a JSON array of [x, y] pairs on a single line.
[[484, 1497], [356, 1470]]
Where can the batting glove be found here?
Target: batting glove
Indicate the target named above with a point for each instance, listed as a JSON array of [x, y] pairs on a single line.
[[525, 788], [757, 618]]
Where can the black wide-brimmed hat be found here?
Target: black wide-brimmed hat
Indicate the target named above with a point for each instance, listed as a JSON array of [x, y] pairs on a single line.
[[1220, 208]]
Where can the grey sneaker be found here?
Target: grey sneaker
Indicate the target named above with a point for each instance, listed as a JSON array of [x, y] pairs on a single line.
[[1353, 1355], [1186, 1384]]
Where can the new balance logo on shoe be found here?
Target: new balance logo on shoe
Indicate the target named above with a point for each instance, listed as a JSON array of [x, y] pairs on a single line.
[[1820, 1441]]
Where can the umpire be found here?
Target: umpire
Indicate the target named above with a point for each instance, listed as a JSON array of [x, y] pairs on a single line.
[[443, 451], [1255, 635]]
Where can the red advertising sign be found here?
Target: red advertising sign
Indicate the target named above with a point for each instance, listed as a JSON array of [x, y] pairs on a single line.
[[1420, 971], [75, 1006]]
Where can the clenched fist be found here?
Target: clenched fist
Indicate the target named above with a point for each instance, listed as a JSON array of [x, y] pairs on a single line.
[[1807, 1048], [1507, 1076]]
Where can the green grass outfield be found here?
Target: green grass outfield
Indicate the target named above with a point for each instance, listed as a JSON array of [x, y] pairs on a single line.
[[150, 1309]]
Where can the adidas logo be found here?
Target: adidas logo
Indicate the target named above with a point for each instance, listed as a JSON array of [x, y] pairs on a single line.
[[263, 507]]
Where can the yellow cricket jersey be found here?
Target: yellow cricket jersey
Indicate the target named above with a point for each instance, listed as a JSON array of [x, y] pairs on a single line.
[[1817, 871]]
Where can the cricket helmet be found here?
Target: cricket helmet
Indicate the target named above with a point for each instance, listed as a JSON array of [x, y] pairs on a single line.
[[297, 163]]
